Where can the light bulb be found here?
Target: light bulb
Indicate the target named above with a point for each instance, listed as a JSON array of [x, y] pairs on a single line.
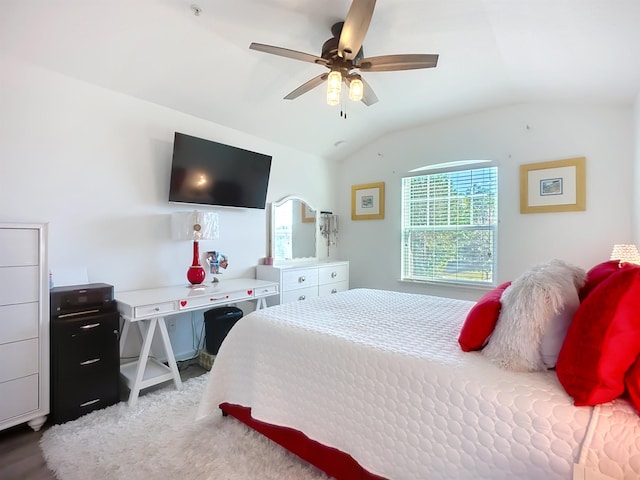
[[334, 81], [333, 97], [356, 90]]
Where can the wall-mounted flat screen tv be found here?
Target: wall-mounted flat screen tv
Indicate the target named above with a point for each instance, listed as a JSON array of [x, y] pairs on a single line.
[[209, 173]]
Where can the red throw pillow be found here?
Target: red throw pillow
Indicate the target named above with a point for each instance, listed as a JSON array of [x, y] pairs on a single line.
[[632, 382], [603, 340], [481, 320], [598, 274]]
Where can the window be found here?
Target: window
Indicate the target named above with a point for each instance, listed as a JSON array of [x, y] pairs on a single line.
[[450, 226]]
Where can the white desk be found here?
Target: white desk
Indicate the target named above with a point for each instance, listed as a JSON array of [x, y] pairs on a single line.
[[147, 308]]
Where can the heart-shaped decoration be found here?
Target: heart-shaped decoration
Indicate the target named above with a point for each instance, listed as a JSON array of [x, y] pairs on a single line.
[[249, 292], [183, 303]]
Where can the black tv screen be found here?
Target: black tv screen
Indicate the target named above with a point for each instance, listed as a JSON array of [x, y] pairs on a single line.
[[210, 173]]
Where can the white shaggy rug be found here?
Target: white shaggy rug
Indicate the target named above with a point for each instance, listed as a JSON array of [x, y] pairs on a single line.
[[158, 438]]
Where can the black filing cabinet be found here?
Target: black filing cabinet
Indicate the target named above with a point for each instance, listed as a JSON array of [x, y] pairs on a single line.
[[85, 359]]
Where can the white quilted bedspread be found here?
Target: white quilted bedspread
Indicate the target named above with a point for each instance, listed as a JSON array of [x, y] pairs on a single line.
[[379, 375]]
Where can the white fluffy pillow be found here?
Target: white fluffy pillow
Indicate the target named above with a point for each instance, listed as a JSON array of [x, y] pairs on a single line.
[[538, 304], [557, 327]]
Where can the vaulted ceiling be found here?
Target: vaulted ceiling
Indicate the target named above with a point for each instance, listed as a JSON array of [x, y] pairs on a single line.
[[492, 53]]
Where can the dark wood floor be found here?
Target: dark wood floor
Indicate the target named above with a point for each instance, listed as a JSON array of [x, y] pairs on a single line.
[[20, 454]]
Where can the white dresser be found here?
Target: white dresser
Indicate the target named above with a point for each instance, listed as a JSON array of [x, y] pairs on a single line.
[[24, 325], [306, 280]]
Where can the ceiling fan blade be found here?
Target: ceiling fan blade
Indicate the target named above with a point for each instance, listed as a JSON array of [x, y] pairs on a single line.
[[389, 63], [355, 28], [305, 87], [368, 96], [285, 52]]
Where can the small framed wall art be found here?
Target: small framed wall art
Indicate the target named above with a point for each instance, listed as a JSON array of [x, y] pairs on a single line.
[[556, 186], [367, 201]]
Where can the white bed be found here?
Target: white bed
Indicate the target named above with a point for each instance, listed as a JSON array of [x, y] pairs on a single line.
[[379, 375]]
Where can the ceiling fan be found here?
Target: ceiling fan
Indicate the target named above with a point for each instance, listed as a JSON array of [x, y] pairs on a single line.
[[342, 54]]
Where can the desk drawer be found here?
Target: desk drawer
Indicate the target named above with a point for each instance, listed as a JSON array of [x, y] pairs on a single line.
[[215, 299], [154, 310], [266, 291], [299, 278]]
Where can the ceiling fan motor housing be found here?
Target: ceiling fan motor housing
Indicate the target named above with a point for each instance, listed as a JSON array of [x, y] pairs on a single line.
[[330, 48]]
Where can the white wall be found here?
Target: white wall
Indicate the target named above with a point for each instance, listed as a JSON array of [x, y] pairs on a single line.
[[510, 136], [95, 165]]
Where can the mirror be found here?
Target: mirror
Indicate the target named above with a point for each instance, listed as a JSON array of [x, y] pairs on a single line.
[[293, 230]]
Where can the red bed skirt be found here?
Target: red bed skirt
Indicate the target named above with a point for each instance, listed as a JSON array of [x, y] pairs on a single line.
[[330, 460]]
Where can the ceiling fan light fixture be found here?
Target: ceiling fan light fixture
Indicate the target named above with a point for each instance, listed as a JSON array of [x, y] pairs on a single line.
[[356, 89], [333, 98], [334, 82]]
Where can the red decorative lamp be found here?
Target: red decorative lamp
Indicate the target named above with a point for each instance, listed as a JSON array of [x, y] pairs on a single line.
[[195, 226]]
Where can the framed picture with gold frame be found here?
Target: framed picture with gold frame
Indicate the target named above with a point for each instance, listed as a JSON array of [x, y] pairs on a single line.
[[308, 214], [556, 186], [367, 201]]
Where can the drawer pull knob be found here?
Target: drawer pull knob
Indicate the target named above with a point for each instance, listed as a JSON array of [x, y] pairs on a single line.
[[301, 279], [90, 326], [89, 362], [157, 309], [302, 297], [90, 402], [333, 290], [334, 274]]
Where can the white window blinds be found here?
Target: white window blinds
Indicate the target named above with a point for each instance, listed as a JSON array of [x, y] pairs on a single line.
[[449, 226]]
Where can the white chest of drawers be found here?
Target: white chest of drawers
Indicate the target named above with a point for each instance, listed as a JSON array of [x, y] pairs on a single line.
[[24, 325], [303, 281]]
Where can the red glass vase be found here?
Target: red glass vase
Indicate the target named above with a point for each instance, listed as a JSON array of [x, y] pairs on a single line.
[[196, 273]]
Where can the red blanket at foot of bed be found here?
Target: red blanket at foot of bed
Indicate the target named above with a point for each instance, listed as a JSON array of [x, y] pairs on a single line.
[[330, 460]]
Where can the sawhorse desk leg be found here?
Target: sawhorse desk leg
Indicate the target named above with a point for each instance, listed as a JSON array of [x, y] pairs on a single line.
[[261, 303], [136, 379]]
